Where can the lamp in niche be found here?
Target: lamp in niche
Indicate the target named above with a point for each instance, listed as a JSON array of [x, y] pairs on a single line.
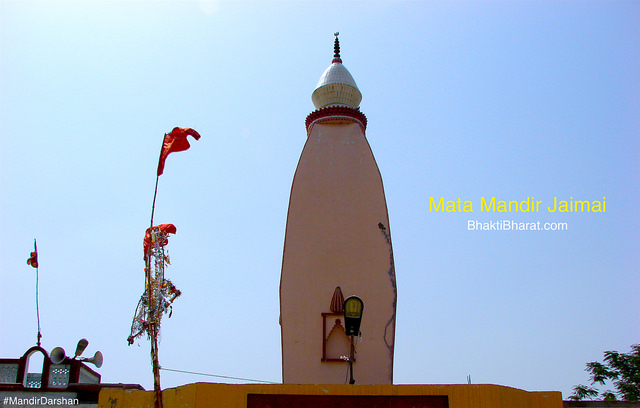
[[353, 308]]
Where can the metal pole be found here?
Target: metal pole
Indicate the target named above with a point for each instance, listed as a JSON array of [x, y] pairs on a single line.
[[153, 206], [351, 354], [152, 299], [155, 193], [156, 367], [35, 248], [38, 307]]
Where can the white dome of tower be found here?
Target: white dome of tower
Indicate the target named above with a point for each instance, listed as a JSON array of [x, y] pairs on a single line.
[[336, 86]]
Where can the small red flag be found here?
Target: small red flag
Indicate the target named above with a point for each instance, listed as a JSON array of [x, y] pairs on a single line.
[[176, 141], [164, 228], [33, 257]]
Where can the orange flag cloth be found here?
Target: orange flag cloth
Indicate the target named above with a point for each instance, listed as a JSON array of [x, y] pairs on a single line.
[[33, 257], [165, 228], [176, 141]]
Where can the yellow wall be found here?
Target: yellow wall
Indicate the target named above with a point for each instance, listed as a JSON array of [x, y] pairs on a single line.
[[200, 395]]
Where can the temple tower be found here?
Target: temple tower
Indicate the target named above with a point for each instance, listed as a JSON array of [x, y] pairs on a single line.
[[337, 244]]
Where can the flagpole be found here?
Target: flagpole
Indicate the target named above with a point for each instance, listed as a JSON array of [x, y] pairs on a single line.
[[156, 367], [38, 309], [151, 299], [153, 206], [35, 248], [155, 193], [179, 134]]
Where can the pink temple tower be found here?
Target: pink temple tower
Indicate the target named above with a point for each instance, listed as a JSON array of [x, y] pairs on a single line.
[[337, 244]]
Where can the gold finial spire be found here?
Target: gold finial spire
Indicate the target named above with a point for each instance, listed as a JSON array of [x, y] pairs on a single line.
[[336, 49]]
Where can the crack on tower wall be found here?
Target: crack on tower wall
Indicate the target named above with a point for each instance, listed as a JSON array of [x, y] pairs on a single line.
[[392, 277]]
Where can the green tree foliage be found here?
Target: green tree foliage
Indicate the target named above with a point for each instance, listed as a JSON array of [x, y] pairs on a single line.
[[621, 369]]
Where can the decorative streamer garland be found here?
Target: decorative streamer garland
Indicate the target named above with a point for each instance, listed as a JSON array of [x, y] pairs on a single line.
[[159, 292]]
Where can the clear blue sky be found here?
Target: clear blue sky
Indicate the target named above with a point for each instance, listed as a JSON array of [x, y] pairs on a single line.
[[464, 99]]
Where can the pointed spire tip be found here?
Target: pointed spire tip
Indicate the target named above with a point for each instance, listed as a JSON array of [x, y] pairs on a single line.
[[336, 49]]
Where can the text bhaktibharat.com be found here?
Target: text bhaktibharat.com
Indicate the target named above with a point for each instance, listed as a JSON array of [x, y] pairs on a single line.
[[509, 225]]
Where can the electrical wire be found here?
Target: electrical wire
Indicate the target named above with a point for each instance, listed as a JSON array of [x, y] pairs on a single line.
[[218, 376]]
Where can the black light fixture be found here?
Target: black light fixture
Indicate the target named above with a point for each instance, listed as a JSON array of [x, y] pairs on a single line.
[[353, 307], [82, 345]]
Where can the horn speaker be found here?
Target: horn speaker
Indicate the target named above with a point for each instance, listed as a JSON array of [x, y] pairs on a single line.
[[96, 359], [57, 355]]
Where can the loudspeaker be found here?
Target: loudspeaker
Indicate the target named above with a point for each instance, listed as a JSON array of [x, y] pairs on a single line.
[[57, 355], [96, 359]]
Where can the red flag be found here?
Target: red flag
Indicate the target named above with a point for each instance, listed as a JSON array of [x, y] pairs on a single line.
[[176, 141], [164, 228], [33, 258]]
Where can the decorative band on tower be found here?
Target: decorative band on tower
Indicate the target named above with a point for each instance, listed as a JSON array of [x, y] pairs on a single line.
[[333, 113]]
